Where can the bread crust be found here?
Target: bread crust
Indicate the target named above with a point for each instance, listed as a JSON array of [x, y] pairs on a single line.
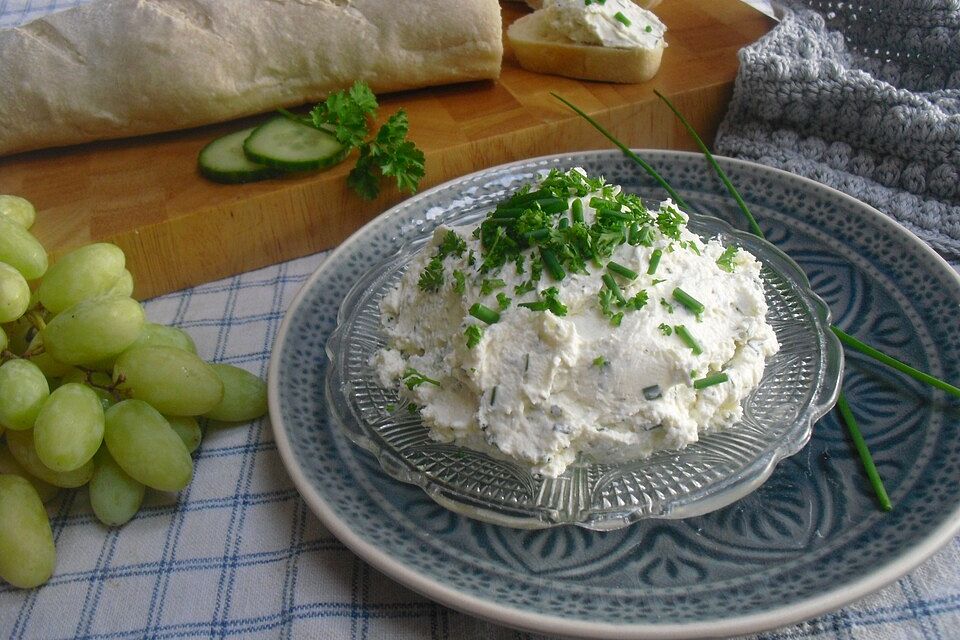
[[117, 68], [541, 54]]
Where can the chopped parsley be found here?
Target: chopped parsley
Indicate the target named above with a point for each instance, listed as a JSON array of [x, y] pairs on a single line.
[[474, 334], [459, 281], [725, 261], [431, 278], [413, 379], [503, 301], [488, 285], [600, 362]]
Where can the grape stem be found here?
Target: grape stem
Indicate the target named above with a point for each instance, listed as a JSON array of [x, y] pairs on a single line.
[[6, 354], [113, 388], [36, 351], [36, 319]]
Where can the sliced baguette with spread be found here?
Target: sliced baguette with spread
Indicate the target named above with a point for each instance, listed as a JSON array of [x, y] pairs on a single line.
[[117, 68], [568, 38]]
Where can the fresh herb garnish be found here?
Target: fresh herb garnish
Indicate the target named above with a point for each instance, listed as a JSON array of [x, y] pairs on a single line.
[[687, 338], [600, 362], [622, 19], [665, 329], [621, 270], [725, 261], [346, 114], [431, 278], [638, 301], [709, 381], [550, 302], [459, 281], [654, 261], [413, 379], [692, 304], [503, 301], [474, 334], [452, 245], [488, 285], [484, 313]]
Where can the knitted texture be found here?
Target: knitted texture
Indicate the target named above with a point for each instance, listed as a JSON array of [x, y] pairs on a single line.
[[862, 96]]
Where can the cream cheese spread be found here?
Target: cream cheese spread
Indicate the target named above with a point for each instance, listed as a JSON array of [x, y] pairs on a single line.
[[614, 23], [611, 337]]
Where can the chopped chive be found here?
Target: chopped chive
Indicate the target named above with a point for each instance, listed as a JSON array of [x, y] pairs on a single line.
[[654, 261], [552, 264], [621, 270], [484, 313], [509, 212], [709, 381], [614, 287], [576, 210], [865, 458], [503, 221], [564, 223], [614, 214], [633, 236], [648, 29], [695, 306], [552, 205], [493, 396], [688, 339], [665, 329], [530, 196], [622, 19], [652, 392], [539, 305], [539, 234]]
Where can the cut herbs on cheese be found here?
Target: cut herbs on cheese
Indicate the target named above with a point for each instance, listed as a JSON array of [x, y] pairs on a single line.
[[574, 320]]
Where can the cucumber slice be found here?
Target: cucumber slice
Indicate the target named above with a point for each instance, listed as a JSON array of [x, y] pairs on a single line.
[[287, 144], [223, 160]]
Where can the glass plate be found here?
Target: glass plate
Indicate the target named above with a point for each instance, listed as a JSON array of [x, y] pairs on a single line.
[[799, 385]]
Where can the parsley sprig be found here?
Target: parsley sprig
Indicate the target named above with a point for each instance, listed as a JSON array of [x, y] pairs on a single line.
[[347, 115]]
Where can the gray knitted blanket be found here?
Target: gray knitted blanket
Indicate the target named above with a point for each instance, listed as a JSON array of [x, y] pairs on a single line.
[[863, 96]]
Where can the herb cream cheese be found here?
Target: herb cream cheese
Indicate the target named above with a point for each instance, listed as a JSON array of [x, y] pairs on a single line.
[[576, 321], [614, 23]]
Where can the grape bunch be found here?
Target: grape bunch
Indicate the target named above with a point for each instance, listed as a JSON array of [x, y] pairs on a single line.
[[91, 394]]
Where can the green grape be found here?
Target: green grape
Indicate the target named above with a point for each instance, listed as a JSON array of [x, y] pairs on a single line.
[[51, 367], [188, 429], [17, 209], [244, 395], [69, 428], [146, 447], [14, 293], [174, 381], [123, 286], [27, 554], [8, 464], [160, 335], [93, 330], [20, 444], [21, 250], [4, 340], [23, 390], [84, 273], [100, 379], [114, 495]]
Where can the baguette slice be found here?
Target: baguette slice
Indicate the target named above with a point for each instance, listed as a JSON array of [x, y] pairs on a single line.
[[539, 51], [117, 68]]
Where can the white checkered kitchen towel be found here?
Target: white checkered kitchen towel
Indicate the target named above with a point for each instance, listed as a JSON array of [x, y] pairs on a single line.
[[238, 554]]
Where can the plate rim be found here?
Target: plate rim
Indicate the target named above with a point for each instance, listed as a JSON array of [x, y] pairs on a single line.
[[543, 623]]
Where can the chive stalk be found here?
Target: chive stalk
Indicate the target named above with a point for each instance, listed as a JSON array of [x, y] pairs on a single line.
[[687, 338], [614, 287], [484, 313], [654, 261], [552, 264], [709, 381], [576, 210], [538, 235], [622, 19], [621, 270], [695, 306], [864, 452]]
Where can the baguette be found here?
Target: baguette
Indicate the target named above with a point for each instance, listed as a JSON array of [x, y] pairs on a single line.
[[117, 68], [539, 50]]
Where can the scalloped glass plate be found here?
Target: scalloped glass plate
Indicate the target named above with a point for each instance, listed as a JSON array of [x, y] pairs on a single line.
[[799, 385]]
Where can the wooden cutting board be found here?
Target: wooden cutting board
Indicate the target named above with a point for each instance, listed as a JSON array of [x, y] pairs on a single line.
[[179, 230]]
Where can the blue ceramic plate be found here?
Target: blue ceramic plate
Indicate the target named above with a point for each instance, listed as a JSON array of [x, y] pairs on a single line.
[[808, 541]]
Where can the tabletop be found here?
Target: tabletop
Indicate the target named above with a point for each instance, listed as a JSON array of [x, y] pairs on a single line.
[[239, 554]]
